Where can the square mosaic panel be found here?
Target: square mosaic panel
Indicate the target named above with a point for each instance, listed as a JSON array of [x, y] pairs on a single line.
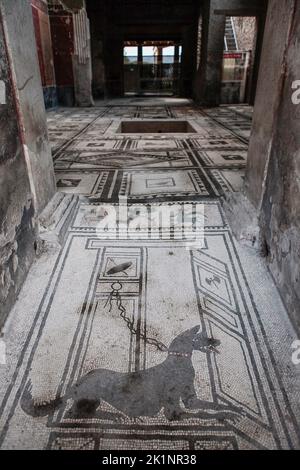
[[223, 158], [228, 180], [172, 183]]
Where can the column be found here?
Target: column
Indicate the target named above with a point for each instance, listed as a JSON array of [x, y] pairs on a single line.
[[176, 70], [259, 41], [140, 67], [113, 53], [189, 59], [82, 66], [208, 82]]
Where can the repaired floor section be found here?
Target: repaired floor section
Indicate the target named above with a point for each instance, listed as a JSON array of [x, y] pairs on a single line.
[[149, 343]]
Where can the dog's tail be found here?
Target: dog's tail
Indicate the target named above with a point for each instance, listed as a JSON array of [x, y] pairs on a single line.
[[36, 410]]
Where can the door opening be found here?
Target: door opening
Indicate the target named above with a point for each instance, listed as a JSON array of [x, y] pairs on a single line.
[[238, 61], [152, 68]]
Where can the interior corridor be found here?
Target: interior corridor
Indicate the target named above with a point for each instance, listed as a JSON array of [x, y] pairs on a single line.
[[120, 354], [149, 225]]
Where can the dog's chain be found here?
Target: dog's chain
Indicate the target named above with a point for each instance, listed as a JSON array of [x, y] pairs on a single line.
[[154, 342], [130, 323]]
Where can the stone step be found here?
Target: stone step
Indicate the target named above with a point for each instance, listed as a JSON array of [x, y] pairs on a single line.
[[56, 217]]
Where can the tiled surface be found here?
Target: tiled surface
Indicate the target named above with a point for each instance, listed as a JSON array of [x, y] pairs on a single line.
[[110, 345], [89, 140]]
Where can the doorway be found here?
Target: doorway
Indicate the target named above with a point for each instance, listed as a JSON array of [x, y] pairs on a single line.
[[238, 59], [152, 68]]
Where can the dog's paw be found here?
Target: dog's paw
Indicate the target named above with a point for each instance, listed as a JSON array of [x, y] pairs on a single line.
[[239, 411], [234, 418]]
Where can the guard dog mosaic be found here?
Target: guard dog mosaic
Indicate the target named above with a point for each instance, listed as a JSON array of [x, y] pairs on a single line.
[[149, 342]]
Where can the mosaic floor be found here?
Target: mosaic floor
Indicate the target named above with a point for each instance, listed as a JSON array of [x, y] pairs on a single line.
[[149, 341]]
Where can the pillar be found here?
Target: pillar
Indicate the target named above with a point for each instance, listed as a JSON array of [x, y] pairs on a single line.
[[207, 89], [176, 70], [140, 67], [257, 57], [189, 59], [96, 17], [273, 172], [113, 58], [82, 66]]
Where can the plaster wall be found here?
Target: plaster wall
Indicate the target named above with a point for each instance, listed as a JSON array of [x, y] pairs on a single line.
[[30, 100], [280, 211], [17, 226], [44, 48]]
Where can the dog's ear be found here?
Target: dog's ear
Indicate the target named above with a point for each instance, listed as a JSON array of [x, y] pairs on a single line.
[[195, 330]]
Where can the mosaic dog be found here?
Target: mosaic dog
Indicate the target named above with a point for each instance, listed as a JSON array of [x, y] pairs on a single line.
[[144, 393]]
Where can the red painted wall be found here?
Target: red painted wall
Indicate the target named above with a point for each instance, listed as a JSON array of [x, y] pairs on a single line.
[[44, 42]]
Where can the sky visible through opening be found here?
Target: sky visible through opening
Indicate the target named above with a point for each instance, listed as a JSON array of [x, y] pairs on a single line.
[[131, 54]]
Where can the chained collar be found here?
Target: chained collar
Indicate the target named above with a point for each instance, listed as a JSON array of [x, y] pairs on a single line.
[[179, 354]]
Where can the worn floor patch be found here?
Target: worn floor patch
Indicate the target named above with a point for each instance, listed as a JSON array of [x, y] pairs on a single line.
[[148, 338]]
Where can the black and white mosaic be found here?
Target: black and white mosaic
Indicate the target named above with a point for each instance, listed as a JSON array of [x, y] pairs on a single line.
[[109, 164], [148, 342]]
